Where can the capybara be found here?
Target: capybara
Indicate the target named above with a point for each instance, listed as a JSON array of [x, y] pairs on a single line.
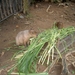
[[59, 25], [23, 37]]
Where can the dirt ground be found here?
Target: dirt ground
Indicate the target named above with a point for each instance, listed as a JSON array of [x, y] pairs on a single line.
[[39, 18]]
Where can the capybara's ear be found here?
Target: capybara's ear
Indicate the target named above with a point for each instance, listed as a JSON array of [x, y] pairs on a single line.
[[32, 31], [59, 25]]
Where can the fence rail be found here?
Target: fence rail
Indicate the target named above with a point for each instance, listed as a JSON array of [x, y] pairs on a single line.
[[9, 7]]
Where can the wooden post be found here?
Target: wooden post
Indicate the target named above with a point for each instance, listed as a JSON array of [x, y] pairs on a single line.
[[4, 11], [25, 7], [7, 7]]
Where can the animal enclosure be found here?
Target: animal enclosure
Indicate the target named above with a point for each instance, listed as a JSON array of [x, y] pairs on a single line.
[[9, 7]]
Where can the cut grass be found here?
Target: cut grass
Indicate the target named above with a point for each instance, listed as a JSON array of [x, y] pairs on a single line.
[[26, 64]]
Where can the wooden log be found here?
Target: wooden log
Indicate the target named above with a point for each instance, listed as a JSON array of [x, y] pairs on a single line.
[[16, 6], [66, 42], [7, 7], [21, 5], [10, 5], [25, 7], [1, 15], [3, 7]]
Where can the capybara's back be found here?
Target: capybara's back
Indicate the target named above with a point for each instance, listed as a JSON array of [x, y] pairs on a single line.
[[23, 37], [19, 38]]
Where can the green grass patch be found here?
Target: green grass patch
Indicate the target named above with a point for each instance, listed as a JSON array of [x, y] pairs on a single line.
[[27, 63]]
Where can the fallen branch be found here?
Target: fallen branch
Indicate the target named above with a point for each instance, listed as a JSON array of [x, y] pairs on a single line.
[[48, 8]]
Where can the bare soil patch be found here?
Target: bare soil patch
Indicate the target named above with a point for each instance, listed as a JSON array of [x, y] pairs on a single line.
[[38, 19]]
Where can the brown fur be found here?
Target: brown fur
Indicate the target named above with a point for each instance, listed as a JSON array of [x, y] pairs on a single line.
[[59, 25], [23, 37]]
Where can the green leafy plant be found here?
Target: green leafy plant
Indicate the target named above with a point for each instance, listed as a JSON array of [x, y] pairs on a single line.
[[35, 52], [32, 73]]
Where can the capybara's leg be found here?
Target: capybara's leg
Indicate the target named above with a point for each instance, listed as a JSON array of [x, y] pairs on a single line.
[[28, 42]]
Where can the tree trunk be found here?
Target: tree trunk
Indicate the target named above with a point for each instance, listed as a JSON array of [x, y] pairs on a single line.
[[25, 7]]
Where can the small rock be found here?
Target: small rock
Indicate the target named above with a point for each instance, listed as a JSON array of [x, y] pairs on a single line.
[[17, 26], [61, 4], [36, 6], [0, 29], [22, 17], [73, 8], [14, 30], [62, 16], [67, 21], [5, 40], [27, 22], [74, 14], [15, 17], [2, 54]]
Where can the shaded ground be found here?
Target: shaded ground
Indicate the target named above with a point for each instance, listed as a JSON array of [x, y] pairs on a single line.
[[38, 19]]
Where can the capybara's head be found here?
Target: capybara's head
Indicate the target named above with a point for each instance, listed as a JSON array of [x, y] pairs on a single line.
[[59, 25], [33, 33]]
